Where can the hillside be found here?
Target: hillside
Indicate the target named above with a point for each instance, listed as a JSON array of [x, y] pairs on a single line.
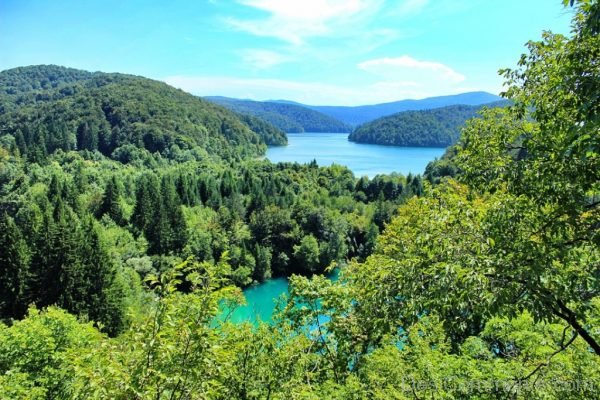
[[354, 116], [48, 108], [289, 118], [269, 133], [113, 178], [439, 127]]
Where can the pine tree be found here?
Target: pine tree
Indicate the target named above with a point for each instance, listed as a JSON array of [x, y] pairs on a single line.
[[37, 151], [20, 141], [87, 138], [111, 205], [103, 296], [169, 231], [14, 270], [147, 203]]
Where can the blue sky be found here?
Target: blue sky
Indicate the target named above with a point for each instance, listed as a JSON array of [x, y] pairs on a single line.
[[339, 52]]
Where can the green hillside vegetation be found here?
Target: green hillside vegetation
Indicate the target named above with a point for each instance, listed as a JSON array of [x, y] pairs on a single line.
[[269, 133], [115, 114], [107, 179], [114, 276], [439, 127], [289, 118]]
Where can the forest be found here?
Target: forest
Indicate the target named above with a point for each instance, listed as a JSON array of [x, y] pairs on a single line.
[[113, 178], [132, 214], [290, 118], [438, 127]]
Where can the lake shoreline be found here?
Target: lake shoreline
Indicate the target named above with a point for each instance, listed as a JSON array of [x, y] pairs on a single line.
[[361, 158]]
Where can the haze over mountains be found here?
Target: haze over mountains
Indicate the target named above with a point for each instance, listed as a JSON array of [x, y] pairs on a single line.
[[288, 117], [360, 114], [336, 117]]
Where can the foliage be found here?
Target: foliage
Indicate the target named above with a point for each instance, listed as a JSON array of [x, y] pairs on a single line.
[[108, 112], [481, 287], [290, 118], [439, 127], [270, 134]]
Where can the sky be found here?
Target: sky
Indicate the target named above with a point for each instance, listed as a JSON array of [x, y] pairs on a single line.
[[320, 52]]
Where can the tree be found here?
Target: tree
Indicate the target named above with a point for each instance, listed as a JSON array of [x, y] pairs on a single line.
[[522, 230], [543, 155], [306, 254], [14, 270], [147, 202], [104, 298], [111, 202], [87, 138]]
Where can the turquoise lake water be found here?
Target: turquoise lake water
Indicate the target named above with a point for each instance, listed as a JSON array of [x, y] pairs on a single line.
[[363, 159], [260, 301]]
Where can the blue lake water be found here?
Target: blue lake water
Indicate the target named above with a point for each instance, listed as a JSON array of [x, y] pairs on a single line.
[[261, 300], [362, 159]]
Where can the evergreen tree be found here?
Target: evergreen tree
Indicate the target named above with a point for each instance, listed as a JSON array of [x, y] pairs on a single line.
[[37, 151], [172, 222], [111, 205], [21, 144], [87, 139], [14, 270], [104, 297], [147, 203]]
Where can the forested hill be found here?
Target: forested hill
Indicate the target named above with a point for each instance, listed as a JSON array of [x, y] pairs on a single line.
[[289, 118], [47, 108], [357, 115], [439, 127]]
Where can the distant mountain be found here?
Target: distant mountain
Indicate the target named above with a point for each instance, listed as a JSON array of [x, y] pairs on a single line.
[[354, 116], [291, 118], [439, 127]]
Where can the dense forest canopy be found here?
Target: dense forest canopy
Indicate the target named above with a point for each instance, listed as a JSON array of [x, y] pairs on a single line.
[[485, 285], [107, 179], [48, 108], [290, 118], [439, 127]]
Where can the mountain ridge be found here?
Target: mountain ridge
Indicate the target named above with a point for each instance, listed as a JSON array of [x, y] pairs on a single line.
[[358, 115], [291, 118]]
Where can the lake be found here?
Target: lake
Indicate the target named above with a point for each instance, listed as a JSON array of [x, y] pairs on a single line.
[[362, 159], [261, 300]]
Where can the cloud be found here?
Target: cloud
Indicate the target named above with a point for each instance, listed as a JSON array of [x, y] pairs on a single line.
[[263, 59], [293, 21], [412, 69], [309, 92]]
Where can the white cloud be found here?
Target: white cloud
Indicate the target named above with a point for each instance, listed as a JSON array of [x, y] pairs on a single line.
[[293, 21], [263, 59], [315, 93], [409, 68]]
